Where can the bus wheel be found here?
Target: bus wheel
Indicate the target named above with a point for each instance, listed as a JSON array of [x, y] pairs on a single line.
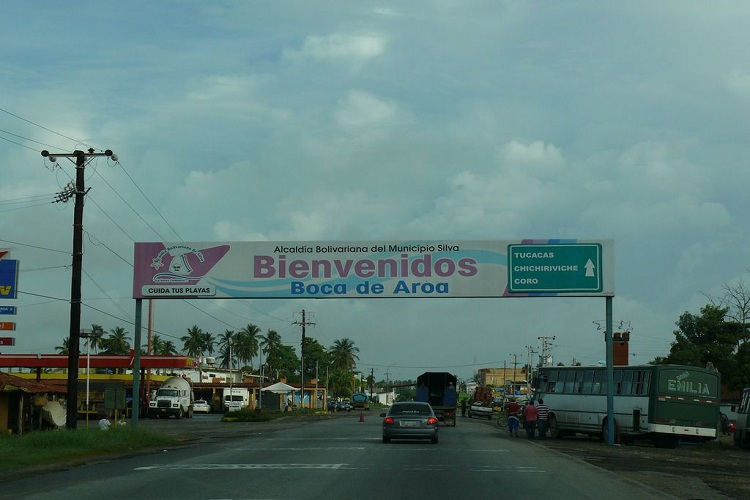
[[554, 429]]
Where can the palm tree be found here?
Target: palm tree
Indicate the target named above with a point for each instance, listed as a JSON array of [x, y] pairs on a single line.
[[208, 343], [271, 342], [194, 342], [247, 343], [271, 345], [96, 337], [168, 349], [225, 340], [344, 354], [162, 347], [63, 349], [117, 342]]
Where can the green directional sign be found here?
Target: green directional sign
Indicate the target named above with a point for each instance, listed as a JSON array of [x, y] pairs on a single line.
[[555, 268]]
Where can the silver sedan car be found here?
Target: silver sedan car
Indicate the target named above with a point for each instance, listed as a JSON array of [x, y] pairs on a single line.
[[410, 420]]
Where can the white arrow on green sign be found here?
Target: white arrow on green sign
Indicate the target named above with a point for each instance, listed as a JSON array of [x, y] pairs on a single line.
[[555, 268]]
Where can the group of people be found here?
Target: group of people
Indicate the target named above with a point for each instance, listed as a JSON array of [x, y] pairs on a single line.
[[534, 417]]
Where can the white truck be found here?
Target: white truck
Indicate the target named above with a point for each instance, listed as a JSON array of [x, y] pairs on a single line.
[[236, 398], [174, 397]]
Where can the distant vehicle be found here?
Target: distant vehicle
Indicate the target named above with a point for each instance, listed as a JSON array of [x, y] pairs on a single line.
[[742, 425], [201, 406], [236, 398], [410, 420], [360, 401], [438, 389], [498, 405], [343, 406], [663, 403], [480, 410], [173, 398]]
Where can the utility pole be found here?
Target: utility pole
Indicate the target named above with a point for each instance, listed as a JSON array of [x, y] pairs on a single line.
[[529, 351], [545, 348], [79, 190], [303, 323], [515, 363]]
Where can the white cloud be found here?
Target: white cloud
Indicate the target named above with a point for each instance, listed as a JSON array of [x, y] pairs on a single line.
[[515, 154], [360, 108], [339, 47]]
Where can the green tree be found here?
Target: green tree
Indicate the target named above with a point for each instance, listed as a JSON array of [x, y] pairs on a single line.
[[344, 354], [161, 347], [343, 358], [317, 359], [227, 346], [63, 348], [194, 343], [117, 342], [96, 337], [704, 340], [270, 344], [248, 342]]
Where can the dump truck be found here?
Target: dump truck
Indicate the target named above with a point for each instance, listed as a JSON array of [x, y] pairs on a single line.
[[173, 398], [439, 390], [360, 401]]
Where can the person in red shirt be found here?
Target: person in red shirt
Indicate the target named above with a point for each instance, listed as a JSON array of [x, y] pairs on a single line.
[[530, 415], [513, 409]]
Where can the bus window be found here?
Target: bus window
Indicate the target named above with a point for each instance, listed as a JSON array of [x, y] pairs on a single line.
[[618, 382], [555, 381], [578, 385], [588, 383], [641, 382], [627, 383], [599, 387], [570, 378]]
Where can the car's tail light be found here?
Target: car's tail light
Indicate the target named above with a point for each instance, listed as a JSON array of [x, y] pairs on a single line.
[[388, 421], [432, 421]]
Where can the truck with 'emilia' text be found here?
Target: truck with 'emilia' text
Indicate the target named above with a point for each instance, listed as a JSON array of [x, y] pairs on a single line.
[[439, 390]]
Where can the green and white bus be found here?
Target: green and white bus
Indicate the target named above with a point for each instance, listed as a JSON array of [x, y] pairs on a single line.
[[742, 426], [664, 403]]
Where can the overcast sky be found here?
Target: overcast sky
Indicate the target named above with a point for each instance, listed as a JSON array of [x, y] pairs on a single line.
[[383, 121]]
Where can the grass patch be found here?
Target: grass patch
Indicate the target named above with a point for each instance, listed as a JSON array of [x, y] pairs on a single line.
[[64, 445]]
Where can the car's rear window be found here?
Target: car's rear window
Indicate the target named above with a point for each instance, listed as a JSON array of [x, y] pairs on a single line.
[[410, 410]]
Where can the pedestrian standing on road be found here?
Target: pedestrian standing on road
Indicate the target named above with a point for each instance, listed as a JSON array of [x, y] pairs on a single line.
[[513, 423], [542, 419], [530, 415], [463, 407]]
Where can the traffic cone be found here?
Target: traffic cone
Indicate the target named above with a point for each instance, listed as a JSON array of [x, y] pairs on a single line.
[[361, 416]]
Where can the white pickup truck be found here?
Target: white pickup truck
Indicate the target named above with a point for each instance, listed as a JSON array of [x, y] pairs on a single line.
[[481, 410]]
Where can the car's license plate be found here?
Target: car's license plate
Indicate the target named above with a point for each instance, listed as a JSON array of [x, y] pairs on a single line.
[[409, 423]]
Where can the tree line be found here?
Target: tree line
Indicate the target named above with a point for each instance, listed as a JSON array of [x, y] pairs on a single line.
[[247, 350], [718, 337]]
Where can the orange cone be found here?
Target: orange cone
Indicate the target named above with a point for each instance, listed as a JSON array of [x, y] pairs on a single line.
[[361, 416]]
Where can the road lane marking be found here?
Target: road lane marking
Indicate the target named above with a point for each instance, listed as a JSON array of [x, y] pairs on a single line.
[[239, 466]]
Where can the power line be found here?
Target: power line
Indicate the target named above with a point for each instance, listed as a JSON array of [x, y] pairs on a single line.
[[44, 128]]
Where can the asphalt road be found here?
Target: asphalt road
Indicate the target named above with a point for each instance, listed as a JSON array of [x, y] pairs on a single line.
[[335, 458]]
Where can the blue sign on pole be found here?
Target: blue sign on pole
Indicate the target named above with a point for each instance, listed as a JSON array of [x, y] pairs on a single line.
[[8, 278], [7, 309]]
